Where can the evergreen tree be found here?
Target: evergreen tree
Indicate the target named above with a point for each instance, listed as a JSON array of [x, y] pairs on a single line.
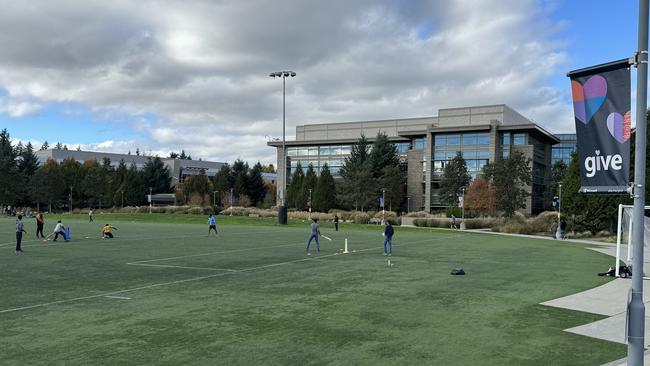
[[65, 147], [134, 188], [295, 187], [393, 181], [324, 197], [197, 188], [308, 183], [240, 178], [173, 155], [47, 185], [58, 146], [28, 162], [383, 154], [182, 155], [92, 184], [223, 181], [156, 175], [9, 176], [455, 176], [359, 187], [45, 146], [256, 188], [509, 178]]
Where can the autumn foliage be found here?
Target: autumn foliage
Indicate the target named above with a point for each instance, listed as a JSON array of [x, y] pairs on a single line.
[[481, 197]]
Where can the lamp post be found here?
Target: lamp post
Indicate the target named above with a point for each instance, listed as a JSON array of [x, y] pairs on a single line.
[[309, 203], [558, 231], [122, 198], [383, 206], [231, 200], [408, 204], [462, 204], [214, 198], [282, 212], [150, 199]]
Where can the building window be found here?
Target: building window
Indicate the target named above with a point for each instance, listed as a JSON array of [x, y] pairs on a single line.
[[324, 150], [418, 144], [505, 139], [345, 150], [292, 151], [519, 139]]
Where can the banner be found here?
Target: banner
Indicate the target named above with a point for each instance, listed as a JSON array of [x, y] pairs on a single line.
[[601, 106], [381, 201]]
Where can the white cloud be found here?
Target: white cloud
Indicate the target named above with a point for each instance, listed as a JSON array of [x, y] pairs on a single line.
[[202, 67], [18, 108]]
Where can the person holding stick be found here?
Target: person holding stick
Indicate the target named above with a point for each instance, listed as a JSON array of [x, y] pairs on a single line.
[[19, 233], [315, 232]]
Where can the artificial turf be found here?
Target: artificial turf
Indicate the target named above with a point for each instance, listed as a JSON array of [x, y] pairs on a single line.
[[252, 296]]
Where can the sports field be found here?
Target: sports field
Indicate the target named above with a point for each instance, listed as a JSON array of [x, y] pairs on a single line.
[[162, 293]]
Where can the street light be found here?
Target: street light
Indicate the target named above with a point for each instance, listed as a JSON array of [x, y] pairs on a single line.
[[282, 212], [408, 204], [122, 198], [150, 199], [231, 200], [383, 205], [214, 198], [558, 231], [462, 203], [309, 203]]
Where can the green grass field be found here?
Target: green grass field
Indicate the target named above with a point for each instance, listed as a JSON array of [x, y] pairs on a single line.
[[162, 293]]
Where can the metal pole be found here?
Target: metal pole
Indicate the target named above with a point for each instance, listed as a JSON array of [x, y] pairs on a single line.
[[636, 309], [214, 198], [310, 203], [70, 199], [408, 204], [231, 200], [383, 204], [122, 199], [284, 148], [150, 199]]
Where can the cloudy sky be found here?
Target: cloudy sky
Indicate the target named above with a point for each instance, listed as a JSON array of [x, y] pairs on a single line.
[[163, 76]]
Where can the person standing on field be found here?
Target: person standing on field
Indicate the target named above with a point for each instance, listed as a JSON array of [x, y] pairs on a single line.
[[213, 225], [388, 239], [315, 232], [336, 222], [40, 222], [90, 215], [453, 222], [19, 233]]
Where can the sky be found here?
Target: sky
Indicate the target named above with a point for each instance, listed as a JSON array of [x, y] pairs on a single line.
[[163, 76]]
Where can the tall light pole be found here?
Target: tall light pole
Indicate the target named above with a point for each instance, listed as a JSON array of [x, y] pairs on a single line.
[[122, 198], [282, 212], [383, 205], [408, 204], [231, 200], [558, 232], [636, 308], [214, 198], [462, 204], [150, 199], [309, 203]]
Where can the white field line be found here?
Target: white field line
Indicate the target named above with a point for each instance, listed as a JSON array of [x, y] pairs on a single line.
[[193, 279], [212, 253], [118, 297], [170, 266]]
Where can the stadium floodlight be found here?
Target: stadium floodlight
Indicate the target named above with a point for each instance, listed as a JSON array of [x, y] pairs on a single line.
[[282, 212]]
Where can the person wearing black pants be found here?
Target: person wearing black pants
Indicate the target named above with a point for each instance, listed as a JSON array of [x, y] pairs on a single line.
[[39, 225], [19, 233], [336, 222]]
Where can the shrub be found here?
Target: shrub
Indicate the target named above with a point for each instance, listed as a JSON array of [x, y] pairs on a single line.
[[418, 214]]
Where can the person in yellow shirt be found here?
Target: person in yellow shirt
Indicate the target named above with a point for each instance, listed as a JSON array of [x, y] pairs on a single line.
[[107, 231]]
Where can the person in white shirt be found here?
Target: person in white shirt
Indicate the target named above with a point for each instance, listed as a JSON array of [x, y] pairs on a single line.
[[59, 229]]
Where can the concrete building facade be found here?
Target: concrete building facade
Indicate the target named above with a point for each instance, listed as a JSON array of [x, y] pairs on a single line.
[[481, 133], [179, 169]]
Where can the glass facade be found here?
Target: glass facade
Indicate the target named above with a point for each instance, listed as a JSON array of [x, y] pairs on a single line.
[[474, 147], [563, 150]]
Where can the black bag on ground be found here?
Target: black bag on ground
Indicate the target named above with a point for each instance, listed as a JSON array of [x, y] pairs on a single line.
[[457, 271], [623, 272]]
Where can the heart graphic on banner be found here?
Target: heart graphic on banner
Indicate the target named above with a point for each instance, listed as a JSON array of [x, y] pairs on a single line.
[[619, 126], [588, 98]]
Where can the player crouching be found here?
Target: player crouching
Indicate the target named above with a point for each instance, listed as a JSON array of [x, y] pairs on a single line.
[[107, 231]]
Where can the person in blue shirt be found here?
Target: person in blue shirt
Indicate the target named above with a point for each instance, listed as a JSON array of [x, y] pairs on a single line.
[[315, 232], [388, 239], [213, 225]]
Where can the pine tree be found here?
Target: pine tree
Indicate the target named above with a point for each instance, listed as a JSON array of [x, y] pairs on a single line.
[[223, 181], [383, 154], [240, 178], [359, 187], [324, 197], [393, 181], [309, 183], [156, 175], [58, 146], [295, 187], [182, 155], [256, 189], [9, 176], [45, 146], [47, 185]]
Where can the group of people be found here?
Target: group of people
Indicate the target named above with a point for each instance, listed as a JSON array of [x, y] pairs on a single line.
[[314, 234], [59, 230]]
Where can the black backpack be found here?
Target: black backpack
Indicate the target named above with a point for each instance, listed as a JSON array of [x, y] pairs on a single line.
[[457, 272]]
